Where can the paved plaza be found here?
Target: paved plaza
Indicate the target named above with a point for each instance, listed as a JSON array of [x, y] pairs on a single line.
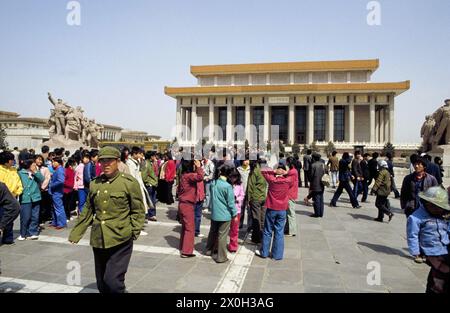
[[328, 255]]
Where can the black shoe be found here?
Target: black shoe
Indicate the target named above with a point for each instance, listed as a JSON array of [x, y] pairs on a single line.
[[357, 207], [314, 215], [378, 220], [333, 205], [391, 216]]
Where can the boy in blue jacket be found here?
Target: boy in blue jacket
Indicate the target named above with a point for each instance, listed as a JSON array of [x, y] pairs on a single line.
[[427, 231], [56, 190]]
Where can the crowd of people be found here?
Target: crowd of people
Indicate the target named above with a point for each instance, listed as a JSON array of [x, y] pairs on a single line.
[[54, 187]]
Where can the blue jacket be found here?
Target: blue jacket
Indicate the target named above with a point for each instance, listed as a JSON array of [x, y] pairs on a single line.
[[427, 233], [434, 169], [88, 174], [344, 170], [31, 186], [57, 182], [222, 201]]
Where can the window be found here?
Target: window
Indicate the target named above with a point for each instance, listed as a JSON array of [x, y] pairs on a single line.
[[240, 119], [319, 123], [223, 122], [280, 118], [300, 125], [339, 123]]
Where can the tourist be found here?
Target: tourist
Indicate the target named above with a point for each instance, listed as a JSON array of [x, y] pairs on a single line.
[[293, 195], [123, 167], [49, 162], [97, 169], [390, 163], [116, 222], [307, 160], [439, 162], [244, 171], [298, 167], [166, 179], [151, 183], [414, 183], [344, 182], [45, 213], [56, 190], [373, 167], [191, 175], [428, 235], [235, 179], [134, 164], [9, 210], [279, 184], [223, 210], [333, 165], [66, 157], [357, 174], [382, 188], [433, 169], [208, 168], [16, 153], [366, 176], [412, 161], [256, 195], [30, 200], [70, 194], [10, 177], [317, 187], [79, 181]]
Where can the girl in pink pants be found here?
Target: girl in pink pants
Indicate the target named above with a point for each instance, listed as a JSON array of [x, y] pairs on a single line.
[[239, 194]]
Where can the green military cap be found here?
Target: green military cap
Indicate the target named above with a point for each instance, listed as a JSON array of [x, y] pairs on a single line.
[[108, 153], [436, 195]]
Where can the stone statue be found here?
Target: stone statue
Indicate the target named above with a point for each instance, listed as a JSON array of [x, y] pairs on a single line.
[[442, 127], [61, 109], [69, 127], [427, 133]]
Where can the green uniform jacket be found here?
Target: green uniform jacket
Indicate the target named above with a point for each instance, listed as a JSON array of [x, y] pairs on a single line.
[[114, 208], [383, 183], [31, 186], [148, 175], [256, 186]]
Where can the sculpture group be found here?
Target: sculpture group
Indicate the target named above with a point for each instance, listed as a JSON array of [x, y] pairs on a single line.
[[436, 128], [70, 123]]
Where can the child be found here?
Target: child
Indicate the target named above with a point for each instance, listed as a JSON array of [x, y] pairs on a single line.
[[235, 180], [427, 232]]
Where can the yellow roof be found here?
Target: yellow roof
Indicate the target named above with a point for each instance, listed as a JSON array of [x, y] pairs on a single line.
[[282, 67], [397, 88]]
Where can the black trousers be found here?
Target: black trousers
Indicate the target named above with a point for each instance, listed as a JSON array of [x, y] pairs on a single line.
[[46, 208], [306, 175], [344, 185], [111, 265], [70, 202], [383, 206], [259, 215]]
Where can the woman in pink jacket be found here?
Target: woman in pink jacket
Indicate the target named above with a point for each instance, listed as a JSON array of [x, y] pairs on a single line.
[[79, 185], [235, 180]]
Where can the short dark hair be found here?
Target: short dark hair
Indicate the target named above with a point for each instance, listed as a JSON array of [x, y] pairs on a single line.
[[375, 155], [366, 155], [234, 177], [308, 152], [45, 149], [27, 163], [334, 153], [357, 152], [135, 150], [345, 155], [59, 160], [5, 157], [94, 153], [389, 155], [422, 161]]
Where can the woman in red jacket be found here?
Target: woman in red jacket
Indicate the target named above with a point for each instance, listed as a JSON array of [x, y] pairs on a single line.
[[191, 175], [69, 197], [166, 179]]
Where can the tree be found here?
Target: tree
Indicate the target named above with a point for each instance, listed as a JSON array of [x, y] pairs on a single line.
[[296, 148], [330, 148], [388, 147], [3, 142], [314, 147]]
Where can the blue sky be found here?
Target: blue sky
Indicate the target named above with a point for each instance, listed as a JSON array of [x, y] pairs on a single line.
[[117, 62]]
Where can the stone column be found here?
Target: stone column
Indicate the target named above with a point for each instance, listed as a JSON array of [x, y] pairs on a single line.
[[386, 124], [229, 122], [391, 119], [382, 138], [211, 121], [330, 121], [372, 121], [291, 122], [187, 126], [183, 124], [266, 123], [194, 123], [351, 121], [178, 120], [247, 121], [310, 124], [377, 125]]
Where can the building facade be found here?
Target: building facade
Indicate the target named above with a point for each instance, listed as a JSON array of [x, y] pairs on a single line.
[[24, 132], [309, 102]]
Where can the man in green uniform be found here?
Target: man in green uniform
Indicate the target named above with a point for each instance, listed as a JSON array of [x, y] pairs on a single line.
[[115, 209]]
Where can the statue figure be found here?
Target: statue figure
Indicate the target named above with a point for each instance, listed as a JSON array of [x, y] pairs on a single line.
[[84, 130], [52, 124], [73, 125], [426, 133], [61, 109], [442, 127]]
